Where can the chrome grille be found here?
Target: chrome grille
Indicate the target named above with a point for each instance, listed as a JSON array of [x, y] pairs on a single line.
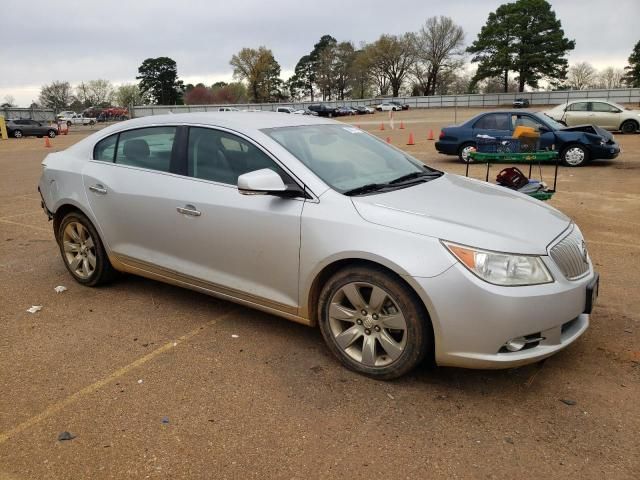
[[570, 254]]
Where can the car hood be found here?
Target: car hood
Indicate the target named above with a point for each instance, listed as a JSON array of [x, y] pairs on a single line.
[[469, 212], [593, 129]]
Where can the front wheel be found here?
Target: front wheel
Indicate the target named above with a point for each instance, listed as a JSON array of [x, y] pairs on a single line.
[[83, 252], [629, 127], [92, 123], [51, 134], [373, 323], [574, 156], [464, 152], [17, 133]]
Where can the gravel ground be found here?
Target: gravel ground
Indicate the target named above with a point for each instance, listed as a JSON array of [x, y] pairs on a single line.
[[151, 381]]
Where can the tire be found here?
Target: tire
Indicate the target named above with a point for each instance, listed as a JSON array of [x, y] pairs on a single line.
[[330, 115], [77, 235], [92, 123], [463, 154], [628, 127], [68, 123], [17, 134], [574, 155], [51, 134], [386, 343]]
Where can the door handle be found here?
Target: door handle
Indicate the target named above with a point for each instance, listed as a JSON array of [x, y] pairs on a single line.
[[98, 189], [189, 210]]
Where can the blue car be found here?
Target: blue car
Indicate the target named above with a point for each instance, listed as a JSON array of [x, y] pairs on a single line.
[[577, 145]]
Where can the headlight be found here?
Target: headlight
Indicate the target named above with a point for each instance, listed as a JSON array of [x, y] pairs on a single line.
[[501, 268]]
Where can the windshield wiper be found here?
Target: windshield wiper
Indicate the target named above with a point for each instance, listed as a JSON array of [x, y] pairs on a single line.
[[414, 175], [370, 187]]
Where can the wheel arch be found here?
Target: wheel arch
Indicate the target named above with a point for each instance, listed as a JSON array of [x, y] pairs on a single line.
[[321, 278], [630, 120]]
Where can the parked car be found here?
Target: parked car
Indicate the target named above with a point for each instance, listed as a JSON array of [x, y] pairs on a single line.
[[285, 110], [521, 103], [386, 106], [363, 109], [77, 119], [228, 109], [603, 113], [66, 113], [403, 106], [25, 128], [324, 224], [577, 145], [324, 110], [345, 111]]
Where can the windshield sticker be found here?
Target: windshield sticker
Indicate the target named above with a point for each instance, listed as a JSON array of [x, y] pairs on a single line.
[[352, 129]]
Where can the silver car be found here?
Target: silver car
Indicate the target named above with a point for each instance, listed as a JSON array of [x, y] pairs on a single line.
[[326, 225]]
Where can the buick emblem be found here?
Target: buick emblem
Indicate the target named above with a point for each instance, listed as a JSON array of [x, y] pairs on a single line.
[[584, 252]]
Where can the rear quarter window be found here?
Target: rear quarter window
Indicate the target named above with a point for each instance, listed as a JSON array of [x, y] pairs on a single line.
[[105, 149]]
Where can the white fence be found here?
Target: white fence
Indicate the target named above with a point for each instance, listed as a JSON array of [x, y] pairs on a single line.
[[621, 95], [39, 114]]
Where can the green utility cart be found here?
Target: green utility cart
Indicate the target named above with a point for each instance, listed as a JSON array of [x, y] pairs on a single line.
[[528, 158]]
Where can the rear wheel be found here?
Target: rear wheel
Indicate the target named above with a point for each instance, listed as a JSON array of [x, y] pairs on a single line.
[[574, 156], [17, 133], [83, 252], [51, 133], [629, 127], [373, 323], [464, 150]]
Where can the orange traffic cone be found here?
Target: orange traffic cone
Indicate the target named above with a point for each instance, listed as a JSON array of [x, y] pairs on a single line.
[[430, 135], [388, 139], [401, 125], [381, 125], [47, 143], [411, 142]]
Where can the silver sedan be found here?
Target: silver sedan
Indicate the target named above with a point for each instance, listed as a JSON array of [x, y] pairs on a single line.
[[324, 224]]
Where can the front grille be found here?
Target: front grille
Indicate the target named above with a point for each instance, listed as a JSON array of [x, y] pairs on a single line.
[[570, 254]]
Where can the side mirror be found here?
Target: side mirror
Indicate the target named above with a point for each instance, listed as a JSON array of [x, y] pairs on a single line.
[[261, 182]]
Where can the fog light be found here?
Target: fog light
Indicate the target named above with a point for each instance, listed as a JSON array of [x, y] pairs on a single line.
[[515, 344]]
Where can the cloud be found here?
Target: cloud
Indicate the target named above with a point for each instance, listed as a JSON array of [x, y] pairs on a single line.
[[82, 40]]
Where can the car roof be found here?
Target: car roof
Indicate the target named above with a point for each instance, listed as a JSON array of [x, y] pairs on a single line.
[[244, 122]]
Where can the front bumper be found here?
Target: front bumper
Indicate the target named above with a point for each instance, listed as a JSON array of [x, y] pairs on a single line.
[[473, 320], [608, 151]]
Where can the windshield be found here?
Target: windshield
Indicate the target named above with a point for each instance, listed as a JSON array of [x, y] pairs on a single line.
[[549, 121], [345, 157]]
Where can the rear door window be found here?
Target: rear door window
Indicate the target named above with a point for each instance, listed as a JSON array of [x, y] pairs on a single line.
[[494, 121], [147, 148]]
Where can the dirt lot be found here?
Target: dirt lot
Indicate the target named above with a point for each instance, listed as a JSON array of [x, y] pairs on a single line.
[[153, 384]]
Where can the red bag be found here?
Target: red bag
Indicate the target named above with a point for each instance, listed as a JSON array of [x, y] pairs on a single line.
[[512, 177]]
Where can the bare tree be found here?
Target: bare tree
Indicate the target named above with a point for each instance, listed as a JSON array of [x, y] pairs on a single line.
[[57, 95], [95, 92], [260, 70], [581, 76], [391, 57], [611, 78], [9, 101], [127, 95], [438, 44]]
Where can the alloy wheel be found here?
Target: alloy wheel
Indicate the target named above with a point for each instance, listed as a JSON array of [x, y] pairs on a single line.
[[367, 324], [79, 250]]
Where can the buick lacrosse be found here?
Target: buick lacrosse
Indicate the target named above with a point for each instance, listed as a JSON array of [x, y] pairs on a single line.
[[324, 224]]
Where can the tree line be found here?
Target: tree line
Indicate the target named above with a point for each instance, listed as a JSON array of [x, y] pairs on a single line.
[[521, 45]]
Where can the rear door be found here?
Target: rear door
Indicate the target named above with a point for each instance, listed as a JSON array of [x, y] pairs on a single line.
[[493, 125], [132, 185]]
